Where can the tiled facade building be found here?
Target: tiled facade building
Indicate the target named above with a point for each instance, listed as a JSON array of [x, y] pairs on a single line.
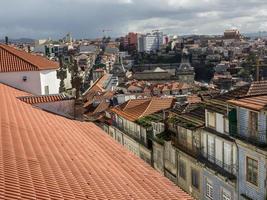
[[214, 149]]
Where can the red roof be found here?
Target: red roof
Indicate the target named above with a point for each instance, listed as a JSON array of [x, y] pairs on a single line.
[[45, 156], [254, 103], [137, 108], [44, 98], [13, 60]]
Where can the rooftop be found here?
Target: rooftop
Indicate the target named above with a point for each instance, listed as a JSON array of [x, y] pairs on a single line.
[[256, 103], [137, 108], [13, 60], [192, 119], [247, 93], [44, 98], [42, 157]]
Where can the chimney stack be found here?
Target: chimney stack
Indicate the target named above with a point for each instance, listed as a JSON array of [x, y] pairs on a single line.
[[6, 40]]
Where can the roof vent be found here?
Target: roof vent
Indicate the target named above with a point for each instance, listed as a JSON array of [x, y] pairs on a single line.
[[24, 78]]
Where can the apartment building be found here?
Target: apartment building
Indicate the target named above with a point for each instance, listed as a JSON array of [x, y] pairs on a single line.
[[214, 149], [248, 127], [186, 139], [150, 42], [131, 124]]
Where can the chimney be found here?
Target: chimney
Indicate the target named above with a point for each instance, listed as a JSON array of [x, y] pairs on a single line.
[[6, 40]]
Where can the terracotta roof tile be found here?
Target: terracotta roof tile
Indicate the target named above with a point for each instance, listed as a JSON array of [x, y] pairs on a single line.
[[45, 156], [12, 60], [255, 103], [44, 98], [257, 88], [136, 108]]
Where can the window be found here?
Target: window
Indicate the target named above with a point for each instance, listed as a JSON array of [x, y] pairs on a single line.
[[211, 148], [252, 171], [195, 178], [227, 157], [226, 195], [226, 125], [253, 123], [183, 136], [182, 169], [211, 119], [46, 88], [120, 123], [209, 190]]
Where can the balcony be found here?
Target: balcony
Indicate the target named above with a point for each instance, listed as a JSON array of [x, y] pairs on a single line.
[[209, 160], [130, 133], [258, 138], [217, 165], [185, 147]]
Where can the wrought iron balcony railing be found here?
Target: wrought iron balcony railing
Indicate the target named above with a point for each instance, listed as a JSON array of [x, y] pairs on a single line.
[[227, 170], [255, 137], [133, 134]]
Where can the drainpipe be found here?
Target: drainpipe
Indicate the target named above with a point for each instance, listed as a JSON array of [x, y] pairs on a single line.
[[237, 170]]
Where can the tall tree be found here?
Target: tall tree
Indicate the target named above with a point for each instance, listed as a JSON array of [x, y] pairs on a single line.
[[62, 74]]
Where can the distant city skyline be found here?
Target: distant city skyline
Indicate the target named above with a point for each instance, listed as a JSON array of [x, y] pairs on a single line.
[[87, 18]]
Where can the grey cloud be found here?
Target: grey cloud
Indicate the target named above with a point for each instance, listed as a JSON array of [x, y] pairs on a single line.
[[86, 18]]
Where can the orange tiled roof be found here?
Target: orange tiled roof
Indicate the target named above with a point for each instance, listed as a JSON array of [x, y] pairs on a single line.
[[254, 103], [97, 85], [136, 108], [257, 88], [44, 98], [45, 156], [13, 60]]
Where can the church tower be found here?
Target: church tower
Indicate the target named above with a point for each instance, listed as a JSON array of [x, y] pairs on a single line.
[[185, 72]]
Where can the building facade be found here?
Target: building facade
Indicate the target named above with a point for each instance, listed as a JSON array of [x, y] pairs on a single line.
[[28, 72]]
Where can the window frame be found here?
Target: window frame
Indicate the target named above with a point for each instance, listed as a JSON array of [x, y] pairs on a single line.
[[253, 127], [210, 194], [226, 195], [182, 168], [256, 184], [46, 90], [225, 121], [198, 178], [208, 121]]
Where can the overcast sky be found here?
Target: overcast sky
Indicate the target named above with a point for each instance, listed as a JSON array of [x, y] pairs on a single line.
[[86, 18]]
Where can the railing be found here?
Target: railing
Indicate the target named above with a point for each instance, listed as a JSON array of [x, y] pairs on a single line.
[[130, 133], [258, 138], [186, 147], [228, 170]]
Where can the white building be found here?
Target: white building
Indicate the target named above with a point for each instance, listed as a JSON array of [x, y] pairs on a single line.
[[27, 72], [150, 42]]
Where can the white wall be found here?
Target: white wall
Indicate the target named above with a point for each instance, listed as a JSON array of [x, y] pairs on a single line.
[[15, 79], [49, 78], [131, 145]]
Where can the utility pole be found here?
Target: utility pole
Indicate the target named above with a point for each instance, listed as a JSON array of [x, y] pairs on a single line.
[[257, 69]]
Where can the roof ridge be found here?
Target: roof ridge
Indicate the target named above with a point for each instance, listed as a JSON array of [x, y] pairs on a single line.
[[152, 99], [14, 54]]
